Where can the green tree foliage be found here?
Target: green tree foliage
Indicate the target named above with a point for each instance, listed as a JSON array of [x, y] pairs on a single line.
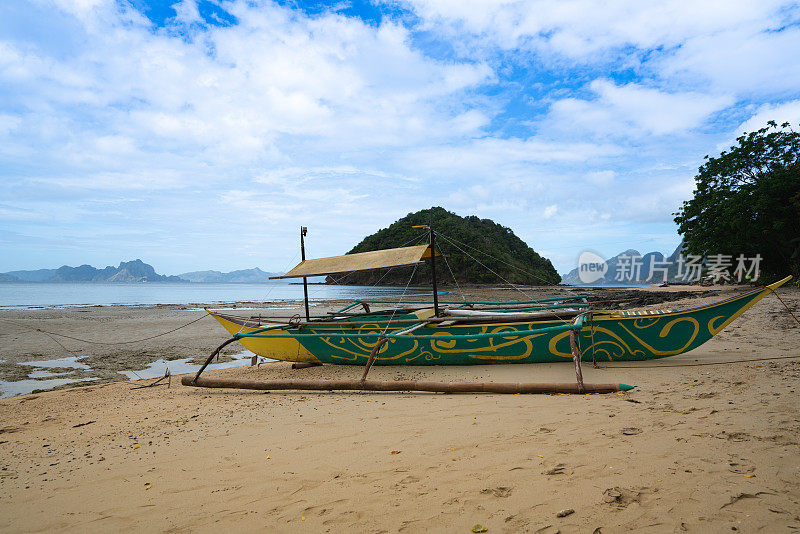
[[747, 201], [498, 249]]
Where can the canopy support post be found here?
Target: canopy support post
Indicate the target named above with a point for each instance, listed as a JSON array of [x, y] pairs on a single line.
[[303, 231], [433, 269]]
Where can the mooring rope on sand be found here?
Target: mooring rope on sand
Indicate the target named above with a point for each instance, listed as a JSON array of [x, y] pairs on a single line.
[[696, 364], [788, 309], [43, 331]]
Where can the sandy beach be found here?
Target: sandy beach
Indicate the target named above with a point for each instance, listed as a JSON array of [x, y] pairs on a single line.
[[607, 191], [695, 447]]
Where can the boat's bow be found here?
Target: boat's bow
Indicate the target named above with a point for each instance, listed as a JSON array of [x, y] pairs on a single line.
[[647, 334], [748, 300], [285, 349]]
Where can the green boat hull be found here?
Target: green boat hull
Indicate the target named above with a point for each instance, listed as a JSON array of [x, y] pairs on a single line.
[[608, 336]]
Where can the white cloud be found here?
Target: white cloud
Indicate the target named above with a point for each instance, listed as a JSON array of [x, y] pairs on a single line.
[[652, 201], [8, 123], [198, 120], [601, 178], [760, 116], [275, 75], [187, 12], [581, 28], [732, 47], [633, 109], [285, 119], [756, 61], [300, 175], [780, 113], [493, 158]]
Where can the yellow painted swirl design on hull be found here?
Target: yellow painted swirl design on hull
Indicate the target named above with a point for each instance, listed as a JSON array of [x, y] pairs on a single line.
[[436, 348], [611, 348], [713, 328], [645, 322], [664, 333]]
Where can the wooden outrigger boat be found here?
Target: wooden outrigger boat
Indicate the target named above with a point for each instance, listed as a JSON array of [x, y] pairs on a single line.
[[472, 332], [500, 337]]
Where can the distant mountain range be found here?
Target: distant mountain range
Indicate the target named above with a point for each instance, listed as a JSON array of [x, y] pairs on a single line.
[[132, 271], [128, 271], [646, 261], [244, 276], [138, 271]]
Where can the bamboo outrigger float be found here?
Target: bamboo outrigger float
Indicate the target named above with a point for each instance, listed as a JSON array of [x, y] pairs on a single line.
[[467, 332]]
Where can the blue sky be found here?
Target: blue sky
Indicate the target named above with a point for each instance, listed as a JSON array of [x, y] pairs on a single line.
[[202, 134]]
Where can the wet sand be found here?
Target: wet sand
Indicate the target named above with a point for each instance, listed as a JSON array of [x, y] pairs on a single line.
[[693, 448], [110, 330]]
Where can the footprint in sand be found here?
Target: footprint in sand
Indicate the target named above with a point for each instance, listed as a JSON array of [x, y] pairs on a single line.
[[622, 497], [557, 470], [500, 491], [740, 469], [736, 436]]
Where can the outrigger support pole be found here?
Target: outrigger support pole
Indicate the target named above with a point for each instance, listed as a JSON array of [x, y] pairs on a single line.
[[377, 348], [193, 381], [403, 385], [576, 357], [372, 354], [576, 353]]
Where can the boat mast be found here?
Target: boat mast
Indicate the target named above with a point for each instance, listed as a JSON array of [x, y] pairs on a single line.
[[432, 241], [303, 232]]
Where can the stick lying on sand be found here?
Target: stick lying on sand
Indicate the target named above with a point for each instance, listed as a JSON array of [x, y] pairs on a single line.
[[403, 385]]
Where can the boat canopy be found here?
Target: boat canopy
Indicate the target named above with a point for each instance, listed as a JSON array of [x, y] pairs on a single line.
[[362, 261]]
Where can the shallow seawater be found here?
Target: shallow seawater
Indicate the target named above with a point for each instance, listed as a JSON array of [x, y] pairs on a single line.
[[69, 362], [68, 295], [42, 378], [158, 368]]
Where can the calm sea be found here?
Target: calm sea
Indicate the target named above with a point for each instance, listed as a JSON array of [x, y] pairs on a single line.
[[90, 294]]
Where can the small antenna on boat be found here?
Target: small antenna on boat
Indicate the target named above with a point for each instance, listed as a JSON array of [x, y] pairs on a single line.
[[303, 232]]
